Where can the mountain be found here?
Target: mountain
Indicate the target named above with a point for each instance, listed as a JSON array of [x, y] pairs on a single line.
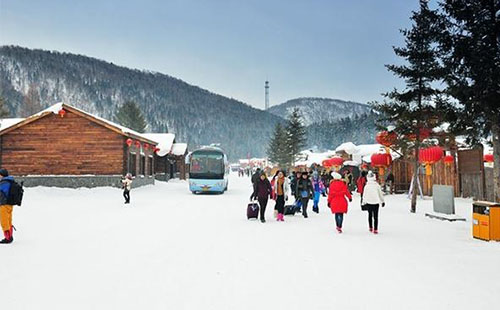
[[359, 129], [318, 110], [197, 116]]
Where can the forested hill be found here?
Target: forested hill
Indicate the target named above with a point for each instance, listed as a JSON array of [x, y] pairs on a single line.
[[319, 110], [195, 115]]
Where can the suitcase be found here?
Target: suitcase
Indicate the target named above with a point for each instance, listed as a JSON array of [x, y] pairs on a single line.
[[293, 208], [252, 210]]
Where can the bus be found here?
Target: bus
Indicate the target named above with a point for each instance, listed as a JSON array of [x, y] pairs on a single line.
[[208, 171]]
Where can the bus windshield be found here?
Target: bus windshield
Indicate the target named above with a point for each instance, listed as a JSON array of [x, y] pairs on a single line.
[[207, 165]]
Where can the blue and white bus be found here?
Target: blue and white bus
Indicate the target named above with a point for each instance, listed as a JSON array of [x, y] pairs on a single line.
[[208, 171]]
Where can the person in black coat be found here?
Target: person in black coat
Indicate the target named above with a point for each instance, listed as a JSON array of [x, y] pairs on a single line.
[[304, 191], [255, 176], [261, 191]]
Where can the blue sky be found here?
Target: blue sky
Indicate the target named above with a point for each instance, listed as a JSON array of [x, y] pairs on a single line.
[[334, 48]]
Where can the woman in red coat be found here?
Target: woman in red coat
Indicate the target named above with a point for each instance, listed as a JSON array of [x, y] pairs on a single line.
[[337, 195]]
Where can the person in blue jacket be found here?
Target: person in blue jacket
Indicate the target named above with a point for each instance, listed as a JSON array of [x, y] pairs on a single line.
[[5, 208]]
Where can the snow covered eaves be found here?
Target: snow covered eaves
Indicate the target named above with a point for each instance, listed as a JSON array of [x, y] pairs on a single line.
[[179, 149], [8, 122], [165, 142]]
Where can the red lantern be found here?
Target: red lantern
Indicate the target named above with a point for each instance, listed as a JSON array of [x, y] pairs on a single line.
[[488, 158], [146, 146], [129, 142], [386, 138], [61, 112], [429, 156], [137, 144], [156, 149], [336, 161], [424, 134], [381, 160], [448, 160], [326, 163]]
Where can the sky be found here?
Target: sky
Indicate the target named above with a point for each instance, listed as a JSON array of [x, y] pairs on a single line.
[[309, 48]]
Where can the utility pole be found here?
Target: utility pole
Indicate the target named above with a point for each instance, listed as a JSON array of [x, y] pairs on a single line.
[[266, 87]]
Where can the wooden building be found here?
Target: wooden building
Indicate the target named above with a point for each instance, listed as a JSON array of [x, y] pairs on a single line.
[[67, 147], [170, 157]]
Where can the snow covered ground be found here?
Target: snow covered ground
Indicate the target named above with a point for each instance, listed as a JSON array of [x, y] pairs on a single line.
[[83, 249]]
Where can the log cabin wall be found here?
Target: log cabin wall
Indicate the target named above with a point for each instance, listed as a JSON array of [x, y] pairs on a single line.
[[69, 145], [442, 174]]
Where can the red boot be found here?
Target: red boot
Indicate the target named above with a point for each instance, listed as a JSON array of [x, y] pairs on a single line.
[[8, 237]]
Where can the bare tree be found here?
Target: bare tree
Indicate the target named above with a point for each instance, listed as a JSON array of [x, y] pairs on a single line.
[[31, 102]]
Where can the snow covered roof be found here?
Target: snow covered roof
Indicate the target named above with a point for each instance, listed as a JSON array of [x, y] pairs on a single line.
[[165, 142], [309, 158], [7, 122], [59, 106], [347, 147], [179, 149]]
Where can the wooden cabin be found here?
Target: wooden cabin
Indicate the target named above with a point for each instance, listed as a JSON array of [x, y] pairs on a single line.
[[67, 147]]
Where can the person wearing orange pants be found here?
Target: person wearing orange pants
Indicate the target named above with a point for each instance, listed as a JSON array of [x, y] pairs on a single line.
[[6, 209]]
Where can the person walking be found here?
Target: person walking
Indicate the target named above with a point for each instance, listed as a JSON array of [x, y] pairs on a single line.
[[5, 207], [261, 192], [373, 198], [337, 199], [319, 189], [281, 190], [256, 176], [304, 191], [389, 180], [360, 184], [293, 188], [127, 186], [273, 192]]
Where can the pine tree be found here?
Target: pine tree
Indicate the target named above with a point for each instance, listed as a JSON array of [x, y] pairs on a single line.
[[277, 151], [3, 109], [472, 43], [129, 115], [296, 135], [413, 109], [31, 102]]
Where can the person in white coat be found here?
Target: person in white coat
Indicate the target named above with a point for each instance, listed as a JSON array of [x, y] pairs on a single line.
[[373, 199], [281, 189]]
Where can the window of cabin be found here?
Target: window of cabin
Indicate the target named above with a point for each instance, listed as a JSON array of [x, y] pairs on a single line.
[[131, 165], [143, 165], [150, 165]]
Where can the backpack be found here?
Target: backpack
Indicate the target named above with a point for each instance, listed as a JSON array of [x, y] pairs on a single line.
[[15, 194]]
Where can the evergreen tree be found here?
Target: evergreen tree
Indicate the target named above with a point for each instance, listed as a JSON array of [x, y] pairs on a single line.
[[472, 45], [3, 109], [296, 134], [129, 115], [277, 151], [31, 102], [413, 109]]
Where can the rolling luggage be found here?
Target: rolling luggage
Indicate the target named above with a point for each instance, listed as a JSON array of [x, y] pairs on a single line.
[[252, 210], [293, 208]]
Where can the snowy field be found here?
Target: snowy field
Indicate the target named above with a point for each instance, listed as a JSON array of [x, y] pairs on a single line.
[[83, 249]]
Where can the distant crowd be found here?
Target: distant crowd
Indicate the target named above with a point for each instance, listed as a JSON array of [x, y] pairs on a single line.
[[311, 185]]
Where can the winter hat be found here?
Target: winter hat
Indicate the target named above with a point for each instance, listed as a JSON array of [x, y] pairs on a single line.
[[4, 172], [336, 176]]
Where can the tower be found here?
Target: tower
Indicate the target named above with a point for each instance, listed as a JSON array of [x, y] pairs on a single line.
[[267, 94]]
